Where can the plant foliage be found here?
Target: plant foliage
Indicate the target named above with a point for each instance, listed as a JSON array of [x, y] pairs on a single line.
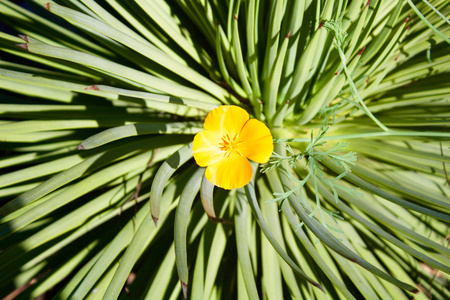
[[101, 198]]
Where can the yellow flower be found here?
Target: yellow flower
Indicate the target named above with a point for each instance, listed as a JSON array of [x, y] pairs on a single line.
[[231, 138]]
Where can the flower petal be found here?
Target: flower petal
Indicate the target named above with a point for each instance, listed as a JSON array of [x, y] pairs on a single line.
[[256, 141], [230, 172], [206, 148], [226, 119]]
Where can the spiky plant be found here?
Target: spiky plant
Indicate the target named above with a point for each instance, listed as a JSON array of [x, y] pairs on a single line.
[[101, 197]]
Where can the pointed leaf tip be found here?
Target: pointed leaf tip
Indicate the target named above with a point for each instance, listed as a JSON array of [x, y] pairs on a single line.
[[81, 147], [289, 34], [321, 24], [24, 37], [219, 220], [319, 286], [184, 288], [361, 52], [24, 46], [155, 220]]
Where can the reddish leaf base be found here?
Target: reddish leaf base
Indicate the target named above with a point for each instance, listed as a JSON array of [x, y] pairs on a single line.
[[184, 288], [92, 87]]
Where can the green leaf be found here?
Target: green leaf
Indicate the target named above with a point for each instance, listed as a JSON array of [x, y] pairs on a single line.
[[327, 238], [113, 134], [181, 221], [176, 160], [244, 260], [251, 196]]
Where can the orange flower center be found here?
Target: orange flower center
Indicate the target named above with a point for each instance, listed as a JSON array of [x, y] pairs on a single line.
[[230, 145]]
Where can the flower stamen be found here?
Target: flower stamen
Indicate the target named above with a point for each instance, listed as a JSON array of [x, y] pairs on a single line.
[[230, 145]]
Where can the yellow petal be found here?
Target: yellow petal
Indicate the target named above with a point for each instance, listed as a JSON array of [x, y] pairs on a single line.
[[226, 119], [230, 172], [256, 142], [206, 148]]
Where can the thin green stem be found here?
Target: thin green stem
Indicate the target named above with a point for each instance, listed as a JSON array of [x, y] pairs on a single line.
[[374, 135], [355, 90], [437, 11], [413, 6]]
